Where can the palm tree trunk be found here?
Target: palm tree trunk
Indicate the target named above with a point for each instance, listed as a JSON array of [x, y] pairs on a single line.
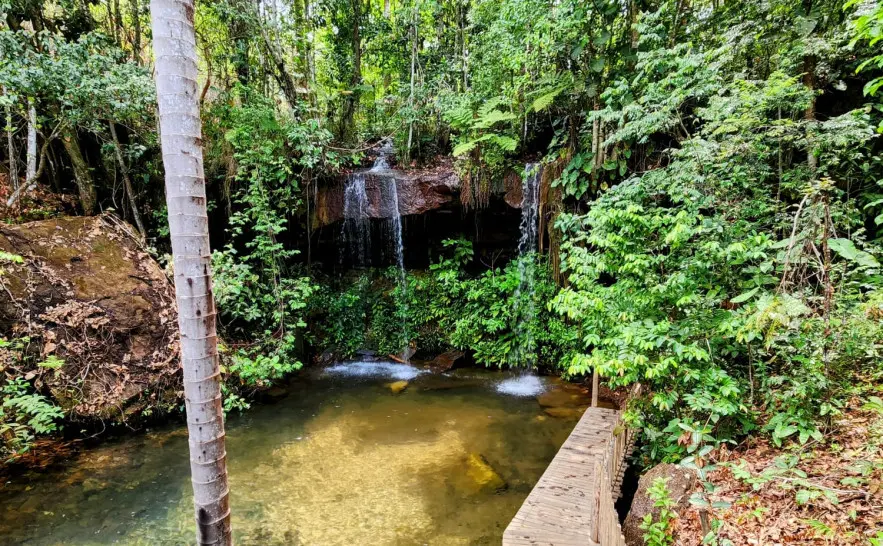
[[174, 44]]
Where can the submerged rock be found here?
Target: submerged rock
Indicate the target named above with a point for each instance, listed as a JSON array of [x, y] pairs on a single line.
[[87, 293], [398, 386], [482, 475], [446, 361], [566, 413], [564, 395], [680, 483]]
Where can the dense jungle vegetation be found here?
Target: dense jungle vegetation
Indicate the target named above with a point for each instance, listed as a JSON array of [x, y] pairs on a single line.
[[712, 189]]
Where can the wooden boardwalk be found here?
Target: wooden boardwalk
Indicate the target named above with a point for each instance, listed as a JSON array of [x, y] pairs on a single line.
[[563, 506]]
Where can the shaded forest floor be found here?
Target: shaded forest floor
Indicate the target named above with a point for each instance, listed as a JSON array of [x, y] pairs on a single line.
[[828, 492]]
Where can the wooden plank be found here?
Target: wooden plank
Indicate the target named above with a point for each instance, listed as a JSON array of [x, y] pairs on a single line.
[[560, 509]]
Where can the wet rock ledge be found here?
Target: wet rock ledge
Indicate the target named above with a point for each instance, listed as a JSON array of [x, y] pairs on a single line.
[[419, 191]]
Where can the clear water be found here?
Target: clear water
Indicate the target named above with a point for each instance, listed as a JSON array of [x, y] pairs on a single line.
[[340, 461]]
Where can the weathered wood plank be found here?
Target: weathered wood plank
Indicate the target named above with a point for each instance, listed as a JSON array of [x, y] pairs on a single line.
[[559, 511]]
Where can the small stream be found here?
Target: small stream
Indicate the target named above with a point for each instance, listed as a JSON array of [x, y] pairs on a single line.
[[341, 459]]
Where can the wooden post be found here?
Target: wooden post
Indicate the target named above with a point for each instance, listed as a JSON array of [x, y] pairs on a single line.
[[595, 385], [596, 503]]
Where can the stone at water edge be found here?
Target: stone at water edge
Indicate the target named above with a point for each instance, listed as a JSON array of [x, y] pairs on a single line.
[[446, 361], [566, 413], [482, 474], [564, 395], [398, 386], [680, 484]]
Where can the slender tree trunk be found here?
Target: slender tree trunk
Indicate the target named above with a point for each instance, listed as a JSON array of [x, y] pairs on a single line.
[[127, 181], [351, 101], [413, 74], [809, 80], [82, 174], [118, 31], [10, 147], [136, 24], [174, 43], [111, 28], [31, 171], [465, 52]]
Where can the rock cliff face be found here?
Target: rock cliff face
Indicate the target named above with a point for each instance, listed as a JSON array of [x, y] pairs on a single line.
[[87, 294], [419, 191]]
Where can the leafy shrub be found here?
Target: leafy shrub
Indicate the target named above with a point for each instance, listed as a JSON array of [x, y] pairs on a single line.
[[659, 532], [24, 415]]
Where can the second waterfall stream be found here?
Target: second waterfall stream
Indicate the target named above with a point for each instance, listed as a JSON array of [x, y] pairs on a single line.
[[524, 309]]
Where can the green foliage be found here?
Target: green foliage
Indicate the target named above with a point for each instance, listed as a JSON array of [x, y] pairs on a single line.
[[338, 317], [446, 308], [869, 27], [483, 139], [24, 415], [659, 532], [255, 286]]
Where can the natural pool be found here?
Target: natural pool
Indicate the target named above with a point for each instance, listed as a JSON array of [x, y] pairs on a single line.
[[340, 460]]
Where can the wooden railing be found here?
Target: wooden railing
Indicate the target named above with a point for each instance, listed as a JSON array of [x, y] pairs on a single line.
[[609, 472]]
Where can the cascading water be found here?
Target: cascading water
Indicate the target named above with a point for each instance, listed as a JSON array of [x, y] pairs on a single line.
[[391, 208], [524, 308], [356, 230]]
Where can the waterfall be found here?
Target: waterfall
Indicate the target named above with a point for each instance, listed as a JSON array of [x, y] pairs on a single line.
[[356, 229], [525, 306], [391, 207]]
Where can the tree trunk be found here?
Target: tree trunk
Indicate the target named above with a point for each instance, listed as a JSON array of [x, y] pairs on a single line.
[[82, 174], [809, 80], [31, 171], [10, 147], [127, 182], [174, 43], [111, 27], [351, 101], [238, 35], [136, 24], [413, 74], [465, 52], [118, 31]]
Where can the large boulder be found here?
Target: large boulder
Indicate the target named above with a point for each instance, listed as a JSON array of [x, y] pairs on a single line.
[[88, 294], [680, 484]]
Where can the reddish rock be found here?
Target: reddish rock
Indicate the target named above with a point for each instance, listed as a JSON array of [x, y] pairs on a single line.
[[445, 361], [419, 191], [680, 482]]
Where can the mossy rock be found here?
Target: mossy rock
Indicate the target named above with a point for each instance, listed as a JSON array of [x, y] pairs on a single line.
[[482, 475], [397, 387]]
